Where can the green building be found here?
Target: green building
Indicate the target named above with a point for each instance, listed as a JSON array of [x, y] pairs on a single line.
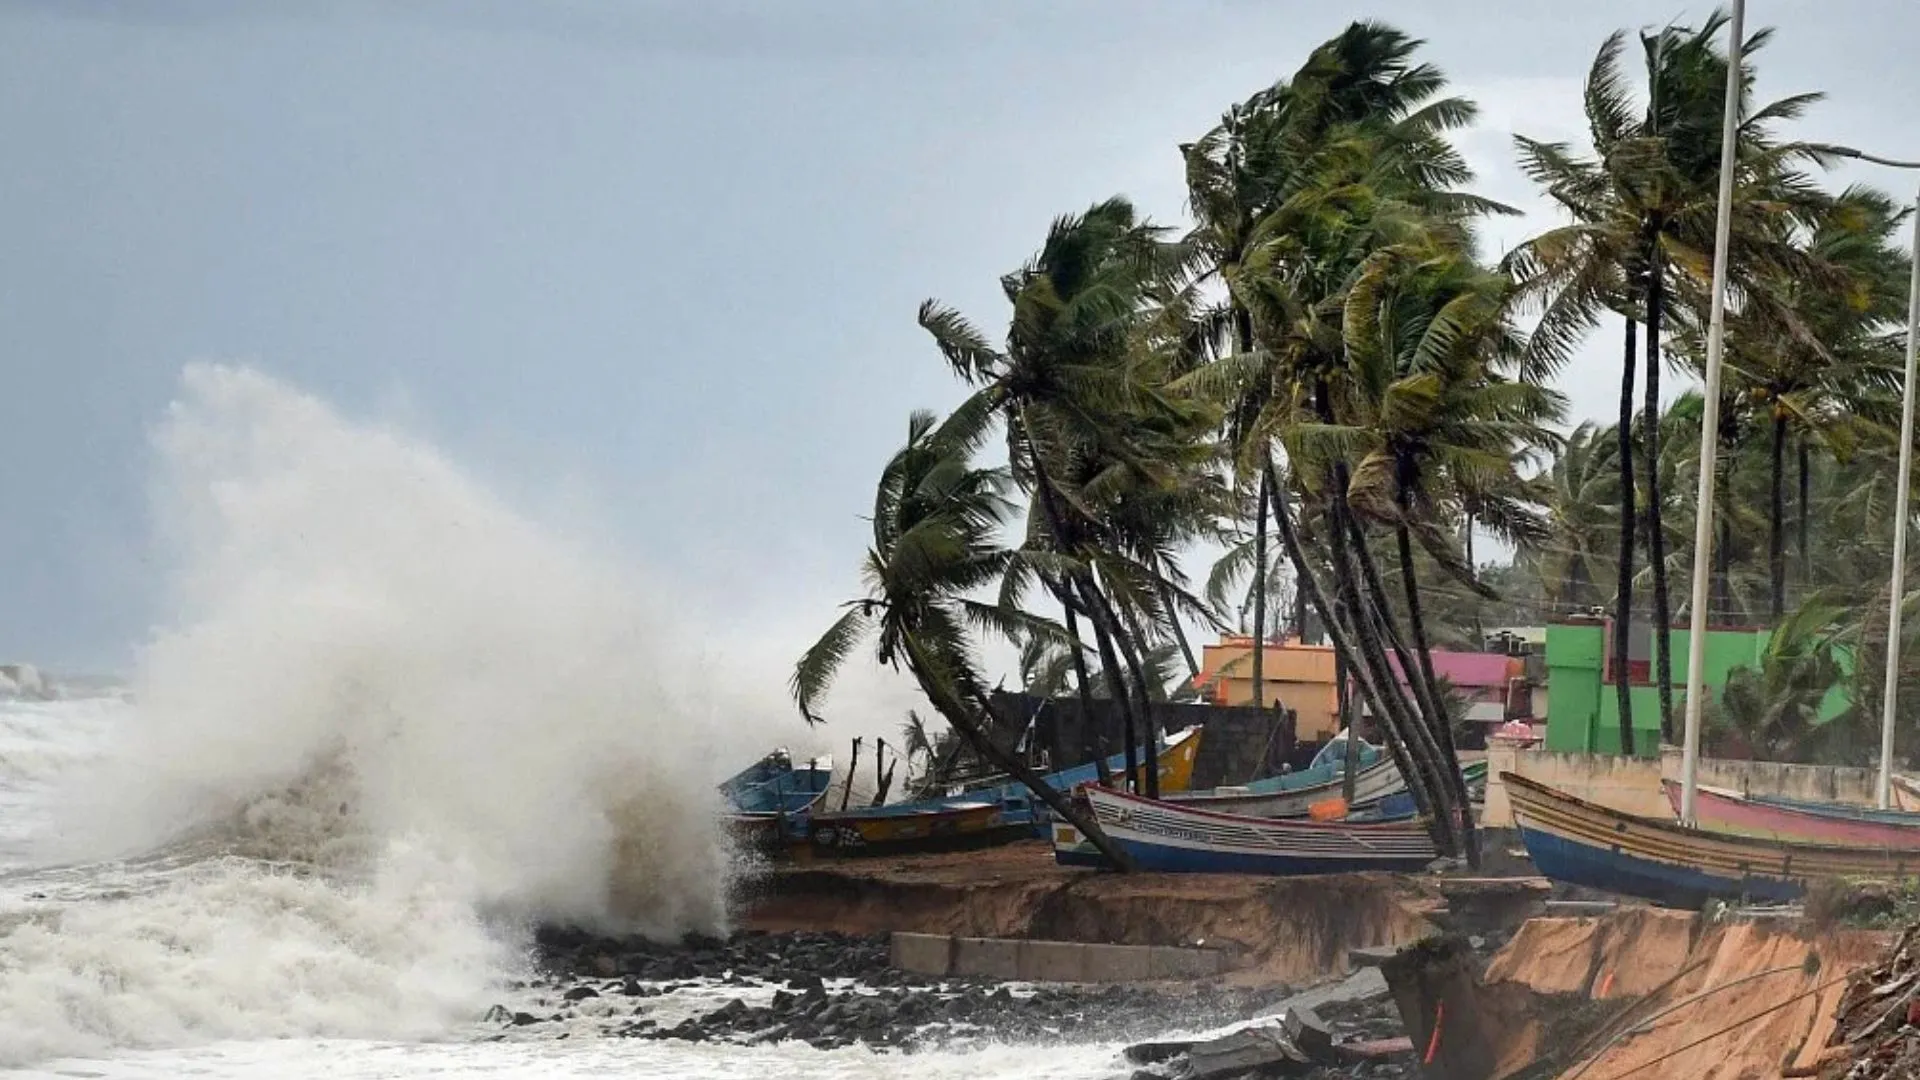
[[1583, 710]]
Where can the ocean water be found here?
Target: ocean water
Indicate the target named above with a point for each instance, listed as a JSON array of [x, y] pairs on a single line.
[[386, 726]]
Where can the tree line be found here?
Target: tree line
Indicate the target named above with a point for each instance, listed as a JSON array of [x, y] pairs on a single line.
[[1325, 376]]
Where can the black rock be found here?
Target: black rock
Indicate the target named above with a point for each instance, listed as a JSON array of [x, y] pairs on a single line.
[[521, 1019], [581, 993]]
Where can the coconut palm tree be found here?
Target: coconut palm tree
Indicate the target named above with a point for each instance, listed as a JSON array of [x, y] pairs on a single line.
[[936, 522], [1643, 208], [1119, 473]]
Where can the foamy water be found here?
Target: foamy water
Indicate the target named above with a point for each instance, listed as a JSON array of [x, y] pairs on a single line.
[[387, 725]]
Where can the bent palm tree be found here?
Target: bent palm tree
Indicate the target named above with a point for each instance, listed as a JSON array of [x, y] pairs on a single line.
[[935, 541]]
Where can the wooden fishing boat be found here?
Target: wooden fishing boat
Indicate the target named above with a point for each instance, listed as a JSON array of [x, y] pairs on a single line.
[[1175, 838], [1841, 810], [1378, 781], [946, 828], [1576, 842], [1018, 806], [771, 798], [1720, 810]]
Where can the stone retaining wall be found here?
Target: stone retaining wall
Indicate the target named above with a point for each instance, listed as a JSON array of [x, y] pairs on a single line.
[[1010, 959]]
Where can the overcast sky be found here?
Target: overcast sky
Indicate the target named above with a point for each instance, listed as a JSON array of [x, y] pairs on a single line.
[[663, 257]]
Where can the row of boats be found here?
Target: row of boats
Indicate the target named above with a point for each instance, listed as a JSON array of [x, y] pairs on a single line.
[[1741, 848], [1297, 822]]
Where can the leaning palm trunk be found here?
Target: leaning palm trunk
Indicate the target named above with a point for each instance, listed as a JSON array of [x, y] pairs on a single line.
[[1083, 685], [1260, 597], [1656, 529], [1116, 688], [1132, 643], [1623, 599], [948, 700], [1342, 699], [1370, 618], [1088, 595], [1172, 616], [1432, 716], [1432, 735], [1344, 645], [1448, 751]]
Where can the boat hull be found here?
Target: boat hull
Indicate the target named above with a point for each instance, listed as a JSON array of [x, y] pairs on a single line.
[[1579, 843], [952, 828], [1726, 811], [1171, 838]]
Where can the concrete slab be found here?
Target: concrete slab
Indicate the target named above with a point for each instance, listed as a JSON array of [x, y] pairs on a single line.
[[1371, 957], [987, 958], [922, 954], [1053, 961], [1118, 963], [1167, 962]]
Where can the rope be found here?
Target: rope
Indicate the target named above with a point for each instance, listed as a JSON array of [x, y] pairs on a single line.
[[1735, 1026]]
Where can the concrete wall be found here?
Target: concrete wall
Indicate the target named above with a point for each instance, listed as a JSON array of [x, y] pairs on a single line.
[[1007, 959], [1633, 784], [1583, 705]]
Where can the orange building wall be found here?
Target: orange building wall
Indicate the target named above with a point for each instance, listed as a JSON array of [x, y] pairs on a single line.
[[1297, 676]]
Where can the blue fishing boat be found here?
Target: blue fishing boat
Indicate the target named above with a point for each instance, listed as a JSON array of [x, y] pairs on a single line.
[[1171, 838], [771, 798], [1579, 843], [1018, 806]]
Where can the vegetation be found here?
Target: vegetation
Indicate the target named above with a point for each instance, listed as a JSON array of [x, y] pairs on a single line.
[[1328, 379]]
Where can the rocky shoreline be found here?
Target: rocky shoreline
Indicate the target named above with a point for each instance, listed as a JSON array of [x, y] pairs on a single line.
[[831, 990]]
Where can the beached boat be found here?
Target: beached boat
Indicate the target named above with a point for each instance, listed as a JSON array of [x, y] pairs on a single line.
[[1578, 843], [1018, 806], [771, 798], [955, 827], [1173, 838], [1842, 810], [1720, 810], [1378, 781]]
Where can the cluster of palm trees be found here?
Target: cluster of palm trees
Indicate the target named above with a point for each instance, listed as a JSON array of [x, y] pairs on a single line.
[[1325, 378]]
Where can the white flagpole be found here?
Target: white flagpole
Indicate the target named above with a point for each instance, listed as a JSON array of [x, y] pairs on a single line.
[[1710, 424]]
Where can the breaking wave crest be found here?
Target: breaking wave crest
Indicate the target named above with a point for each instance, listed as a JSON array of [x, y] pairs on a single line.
[[389, 721]]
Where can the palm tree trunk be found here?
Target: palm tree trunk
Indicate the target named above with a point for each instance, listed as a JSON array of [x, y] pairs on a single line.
[[1172, 615], [1434, 734], [1479, 629], [1372, 620], [1448, 751], [1103, 631], [1260, 597], [1133, 645], [1656, 534], [1345, 646], [1805, 510], [1623, 599], [1342, 695], [1082, 683], [948, 700], [1424, 695], [1777, 522], [1116, 688]]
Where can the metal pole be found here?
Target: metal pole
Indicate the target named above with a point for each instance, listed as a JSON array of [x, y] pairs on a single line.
[[1897, 587], [1710, 423]]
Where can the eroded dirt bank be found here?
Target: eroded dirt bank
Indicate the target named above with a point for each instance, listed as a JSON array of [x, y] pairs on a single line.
[[1673, 993], [1295, 931]]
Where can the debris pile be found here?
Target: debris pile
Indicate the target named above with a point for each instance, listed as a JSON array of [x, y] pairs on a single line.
[[1877, 1028]]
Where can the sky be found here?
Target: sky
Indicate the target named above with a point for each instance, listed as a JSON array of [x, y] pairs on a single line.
[[655, 260]]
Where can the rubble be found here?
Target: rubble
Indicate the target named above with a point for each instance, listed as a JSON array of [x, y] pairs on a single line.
[[1877, 1030]]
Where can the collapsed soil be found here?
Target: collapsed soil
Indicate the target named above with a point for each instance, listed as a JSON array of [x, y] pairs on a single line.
[[1275, 930]]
